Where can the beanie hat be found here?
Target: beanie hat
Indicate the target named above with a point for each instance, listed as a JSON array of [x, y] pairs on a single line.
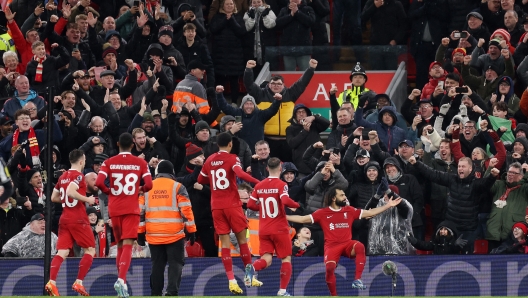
[[107, 50], [164, 167], [521, 226], [458, 50], [494, 68], [111, 33], [502, 32], [100, 158], [495, 42], [166, 30], [192, 151], [148, 117], [90, 210], [226, 119], [37, 216], [358, 70], [195, 64], [200, 125], [246, 99], [474, 14], [30, 173], [394, 189]]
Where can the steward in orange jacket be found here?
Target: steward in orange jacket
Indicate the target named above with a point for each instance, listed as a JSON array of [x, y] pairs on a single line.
[[165, 212]]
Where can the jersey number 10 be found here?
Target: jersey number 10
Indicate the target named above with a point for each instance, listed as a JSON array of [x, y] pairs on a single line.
[[268, 204]]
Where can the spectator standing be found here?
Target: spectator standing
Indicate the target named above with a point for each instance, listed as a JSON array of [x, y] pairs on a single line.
[[295, 21], [227, 27], [260, 24]]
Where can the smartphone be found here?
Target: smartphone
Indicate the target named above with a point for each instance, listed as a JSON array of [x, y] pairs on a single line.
[[238, 119], [335, 151], [136, 3], [418, 145], [463, 35], [441, 84], [57, 117], [461, 90], [456, 35]]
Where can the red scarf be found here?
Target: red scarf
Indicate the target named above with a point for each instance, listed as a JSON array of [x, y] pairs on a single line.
[[33, 144], [40, 68], [508, 190]]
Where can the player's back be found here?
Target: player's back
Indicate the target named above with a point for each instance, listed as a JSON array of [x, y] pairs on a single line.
[[73, 211], [125, 172], [336, 224], [222, 179], [272, 215]]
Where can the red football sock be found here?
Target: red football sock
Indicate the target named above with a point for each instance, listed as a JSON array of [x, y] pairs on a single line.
[[359, 248], [124, 261], [330, 278], [260, 264], [55, 266], [285, 275], [119, 254], [245, 254], [84, 266], [228, 263]]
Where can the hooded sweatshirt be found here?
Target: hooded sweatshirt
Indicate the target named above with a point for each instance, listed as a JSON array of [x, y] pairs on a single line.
[[389, 135]]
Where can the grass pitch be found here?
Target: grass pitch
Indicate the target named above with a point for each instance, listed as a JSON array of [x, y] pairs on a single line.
[[276, 296]]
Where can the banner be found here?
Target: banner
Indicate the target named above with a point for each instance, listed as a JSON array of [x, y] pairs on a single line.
[[454, 275], [316, 95]]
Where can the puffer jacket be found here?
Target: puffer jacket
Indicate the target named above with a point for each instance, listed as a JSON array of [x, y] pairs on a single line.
[[463, 196], [442, 245], [501, 220], [439, 192], [316, 189], [228, 36], [277, 125], [295, 38], [299, 139], [389, 135]]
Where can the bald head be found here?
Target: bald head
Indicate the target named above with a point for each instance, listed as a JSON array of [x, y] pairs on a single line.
[[90, 182]]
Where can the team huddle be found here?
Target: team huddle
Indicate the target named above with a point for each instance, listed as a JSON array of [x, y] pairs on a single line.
[[127, 176]]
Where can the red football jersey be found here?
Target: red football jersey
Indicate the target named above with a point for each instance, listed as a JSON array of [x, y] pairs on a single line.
[[218, 168], [125, 172], [73, 211], [336, 224], [268, 194]]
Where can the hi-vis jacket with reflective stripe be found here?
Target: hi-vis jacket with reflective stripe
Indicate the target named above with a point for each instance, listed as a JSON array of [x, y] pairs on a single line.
[[165, 211], [190, 88]]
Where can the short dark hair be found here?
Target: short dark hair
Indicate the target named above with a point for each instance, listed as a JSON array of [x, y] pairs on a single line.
[[189, 26], [274, 163], [125, 140], [453, 76], [74, 26], [21, 112], [330, 194], [75, 155], [223, 139], [500, 106], [245, 186], [276, 77], [63, 94]]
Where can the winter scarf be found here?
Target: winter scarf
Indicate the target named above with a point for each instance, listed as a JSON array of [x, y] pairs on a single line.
[[501, 202], [40, 68], [33, 145], [257, 47]]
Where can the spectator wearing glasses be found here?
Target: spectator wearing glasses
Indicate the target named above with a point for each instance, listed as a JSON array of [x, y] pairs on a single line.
[[510, 198], [419, 115], [383, 100]]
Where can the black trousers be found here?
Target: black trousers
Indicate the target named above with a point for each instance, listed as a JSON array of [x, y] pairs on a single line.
[[279, 149], [207, 235], [162, 254]]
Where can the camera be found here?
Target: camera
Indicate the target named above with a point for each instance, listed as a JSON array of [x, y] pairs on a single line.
[[461, 90]]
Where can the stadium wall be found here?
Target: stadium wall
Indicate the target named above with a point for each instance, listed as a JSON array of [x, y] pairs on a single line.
[[417, 276]]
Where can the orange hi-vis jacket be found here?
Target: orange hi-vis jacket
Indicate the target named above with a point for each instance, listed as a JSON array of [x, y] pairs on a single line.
[[190, 89], [165, 212]]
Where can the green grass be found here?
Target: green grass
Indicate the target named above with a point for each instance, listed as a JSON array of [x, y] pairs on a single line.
[[294, 296]]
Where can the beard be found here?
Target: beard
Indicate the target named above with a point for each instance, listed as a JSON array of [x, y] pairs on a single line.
[[341, 203]]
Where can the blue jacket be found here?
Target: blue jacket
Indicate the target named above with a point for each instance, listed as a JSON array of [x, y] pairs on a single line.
[[13, 104], [7, 143], [391, 136], [401, 121], [253, 124]]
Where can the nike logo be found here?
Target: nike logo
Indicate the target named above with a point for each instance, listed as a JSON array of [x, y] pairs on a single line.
[[329, 216]]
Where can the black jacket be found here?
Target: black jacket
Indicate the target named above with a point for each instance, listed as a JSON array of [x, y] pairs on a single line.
[[458, 11], [463, 196], [197, 51], [388, 22], [441, 245], [299, 139], [228, 37], [438, 198], [11, 223], [433, 12], [296, 30], [50, 71]]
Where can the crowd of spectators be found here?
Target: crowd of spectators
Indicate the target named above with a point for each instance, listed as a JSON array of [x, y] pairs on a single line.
[[174, 73]]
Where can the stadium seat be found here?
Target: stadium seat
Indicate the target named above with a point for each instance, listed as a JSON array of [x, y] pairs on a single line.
[[424, 252], [194, 251], [481, 247]]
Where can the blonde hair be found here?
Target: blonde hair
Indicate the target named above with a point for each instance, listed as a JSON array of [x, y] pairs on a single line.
[[222, 7]]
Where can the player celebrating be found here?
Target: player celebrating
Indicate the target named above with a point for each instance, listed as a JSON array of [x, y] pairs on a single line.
[[74, 225], [124, 171], [274, 231], [336, 221], [220, 171]]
